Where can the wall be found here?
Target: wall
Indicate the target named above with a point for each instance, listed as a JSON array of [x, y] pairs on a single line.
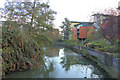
[[108, 63], [83, 32], [73, 33]]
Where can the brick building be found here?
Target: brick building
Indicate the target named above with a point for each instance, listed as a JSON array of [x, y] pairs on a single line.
[[83, 29]]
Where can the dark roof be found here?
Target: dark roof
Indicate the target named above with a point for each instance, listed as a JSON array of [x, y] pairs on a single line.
[[75, 21], [97, 14], [102, 14], [85, 24], [80, 22]]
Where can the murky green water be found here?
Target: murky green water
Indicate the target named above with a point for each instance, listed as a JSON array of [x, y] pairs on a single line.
[[62, 63]]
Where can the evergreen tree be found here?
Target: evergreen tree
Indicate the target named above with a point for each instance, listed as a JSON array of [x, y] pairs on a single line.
[[66, 29]]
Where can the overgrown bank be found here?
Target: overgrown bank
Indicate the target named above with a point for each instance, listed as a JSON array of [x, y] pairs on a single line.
[[19, 51], [23, 34]]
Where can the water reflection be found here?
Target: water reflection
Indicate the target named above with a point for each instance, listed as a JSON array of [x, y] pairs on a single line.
[[62, 63], [78, 66]]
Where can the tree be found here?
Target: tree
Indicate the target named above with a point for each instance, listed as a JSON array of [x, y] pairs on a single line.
[[66, 29], [108, 23], [110, 29], [21, 51], [44, 17], [35, 15]]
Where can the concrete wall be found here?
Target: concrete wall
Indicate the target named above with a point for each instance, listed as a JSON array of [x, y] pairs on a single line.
[[107, 62]]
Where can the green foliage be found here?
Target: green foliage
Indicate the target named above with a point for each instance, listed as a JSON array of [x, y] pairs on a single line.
[[22, 48], [66, 29], [98, 42], [42, 40], [81, 44], [18, 50], [70, 42], [93, 36], [31, 14], [105, 46], [101, 42], [84, 52]]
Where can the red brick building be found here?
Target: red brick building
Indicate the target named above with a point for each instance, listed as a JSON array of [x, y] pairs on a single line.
[[83, 29]]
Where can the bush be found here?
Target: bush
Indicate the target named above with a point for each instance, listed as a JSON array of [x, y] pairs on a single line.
[[70, 42], [42, 40], [19, 51], [104, 46]]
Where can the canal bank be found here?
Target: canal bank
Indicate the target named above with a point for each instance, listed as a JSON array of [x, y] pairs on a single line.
[[108, 63], [61, 62]]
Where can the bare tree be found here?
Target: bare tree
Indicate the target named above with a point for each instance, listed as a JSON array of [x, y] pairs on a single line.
[[108, 24]]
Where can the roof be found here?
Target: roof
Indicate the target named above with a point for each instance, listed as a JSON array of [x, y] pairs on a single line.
[[99, 14], [80, 22], [85, 24], [75, 21]]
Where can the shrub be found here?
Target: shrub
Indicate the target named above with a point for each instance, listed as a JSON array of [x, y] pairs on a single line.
[[19, 51]]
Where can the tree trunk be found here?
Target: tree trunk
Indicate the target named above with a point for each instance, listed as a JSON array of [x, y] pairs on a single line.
[[32, 17]]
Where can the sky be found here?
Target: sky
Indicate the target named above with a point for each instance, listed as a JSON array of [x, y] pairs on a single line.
[[79, 10], [76, 10]]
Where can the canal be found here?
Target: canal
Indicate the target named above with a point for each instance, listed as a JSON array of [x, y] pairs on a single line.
[[61, 62]]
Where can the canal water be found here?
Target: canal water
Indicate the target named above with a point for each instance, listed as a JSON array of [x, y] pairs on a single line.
[[61, 62]]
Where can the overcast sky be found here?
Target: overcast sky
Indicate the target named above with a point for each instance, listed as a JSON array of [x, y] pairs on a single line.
[[76, 10], [79, 10]]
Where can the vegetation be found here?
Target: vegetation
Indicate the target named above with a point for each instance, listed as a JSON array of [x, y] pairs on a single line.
[[19, 51], [42, 39], [24, 34], [70, 42], [36, 16], [110, 32], [66, 29], [106, 39], [102, 44]]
